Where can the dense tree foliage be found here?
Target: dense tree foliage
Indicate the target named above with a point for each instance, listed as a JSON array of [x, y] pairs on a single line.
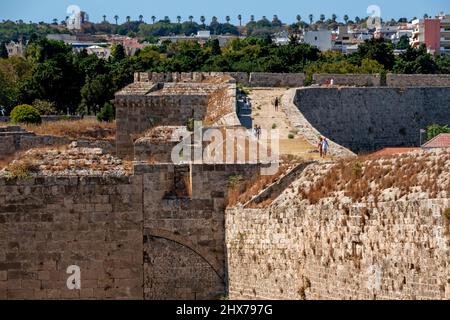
[[55, 79]]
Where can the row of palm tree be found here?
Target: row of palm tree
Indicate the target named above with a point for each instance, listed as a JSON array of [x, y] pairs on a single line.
[[322, 19], [239, 17]]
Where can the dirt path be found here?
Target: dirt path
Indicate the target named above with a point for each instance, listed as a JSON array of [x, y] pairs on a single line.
[[264, 115]]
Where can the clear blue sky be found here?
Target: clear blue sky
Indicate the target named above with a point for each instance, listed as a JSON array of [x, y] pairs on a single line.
[[46, 10]]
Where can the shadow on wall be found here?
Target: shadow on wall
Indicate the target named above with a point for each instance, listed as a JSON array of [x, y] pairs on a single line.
[[367, 119]]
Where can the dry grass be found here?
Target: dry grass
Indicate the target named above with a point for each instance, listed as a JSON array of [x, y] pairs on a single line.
[[87, 129], [244, 190], [21, 169], [364, 177]]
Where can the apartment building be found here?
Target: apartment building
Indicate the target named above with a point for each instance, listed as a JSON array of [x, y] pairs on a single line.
[[445, 34], [434, 33]]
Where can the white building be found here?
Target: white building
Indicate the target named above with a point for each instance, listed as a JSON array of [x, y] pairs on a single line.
[[15, 49], [100, 52], [321, 39]]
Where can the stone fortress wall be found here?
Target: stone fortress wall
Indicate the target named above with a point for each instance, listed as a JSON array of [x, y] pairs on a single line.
[[163, 232], [15, 138], [142, 236], [261, 79], [395, 251], [367, 119]]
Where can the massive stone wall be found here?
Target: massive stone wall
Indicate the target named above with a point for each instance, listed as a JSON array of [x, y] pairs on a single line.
[[260, 79], [14, 138], [364, 119], [144, 105], [48, 224], [418, 80], [253, 79], [158, 234], [357, 80], [330, 252]]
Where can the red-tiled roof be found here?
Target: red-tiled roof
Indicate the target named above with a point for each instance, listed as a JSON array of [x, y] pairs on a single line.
[[440, 141], [390, 151]]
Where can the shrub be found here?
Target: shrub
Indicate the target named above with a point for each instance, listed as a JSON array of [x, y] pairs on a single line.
[[190, 124], [274, 126], [447, 214], [45, 107], [20, 169], [357, 170], [291, 136], [25, 114], [235, 180], [106, 113]]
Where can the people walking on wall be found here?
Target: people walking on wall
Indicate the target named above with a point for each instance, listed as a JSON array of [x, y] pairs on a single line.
[[325, 147], [319, 146], [277, 103], [258, 132]]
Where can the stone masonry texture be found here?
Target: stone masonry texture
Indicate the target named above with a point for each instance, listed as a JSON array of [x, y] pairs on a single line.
[[333, 252], [366, 119]]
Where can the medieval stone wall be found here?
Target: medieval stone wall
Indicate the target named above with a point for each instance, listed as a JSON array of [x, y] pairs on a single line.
[[357, 80], [158, 234], [364, 119], [135, 115], [254, 79], [418, 80], [395, 250], [14, 138], [48, 224], [261, 79]]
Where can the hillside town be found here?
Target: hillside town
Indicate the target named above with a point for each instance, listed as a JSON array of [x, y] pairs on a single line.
[[327, 35]]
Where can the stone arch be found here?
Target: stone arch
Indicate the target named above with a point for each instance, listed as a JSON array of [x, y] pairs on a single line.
[[207, 256], [175, 268]]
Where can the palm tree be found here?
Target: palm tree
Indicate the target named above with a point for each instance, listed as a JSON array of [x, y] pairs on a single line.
[[128, 19], [141, 18], [153, 19], [116, 17], [214, 22], [104, 18], [322, 18], [333, 17], [202, 20], [227, 19], [240, 19], [346, 18], [166, 19], [191, 18], [426, 16], [357, 19], [55, 21], [179, 19], [311, 19], [299, 18], [252, 18]]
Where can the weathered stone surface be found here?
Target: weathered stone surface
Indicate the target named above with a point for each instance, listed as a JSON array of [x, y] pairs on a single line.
[[366, 119]]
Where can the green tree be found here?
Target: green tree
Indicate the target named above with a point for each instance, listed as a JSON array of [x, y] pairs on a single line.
[[96, 92], [435, 129], [378, 50], [3, 51], [117, 53], [106, 113], [416, 60]]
